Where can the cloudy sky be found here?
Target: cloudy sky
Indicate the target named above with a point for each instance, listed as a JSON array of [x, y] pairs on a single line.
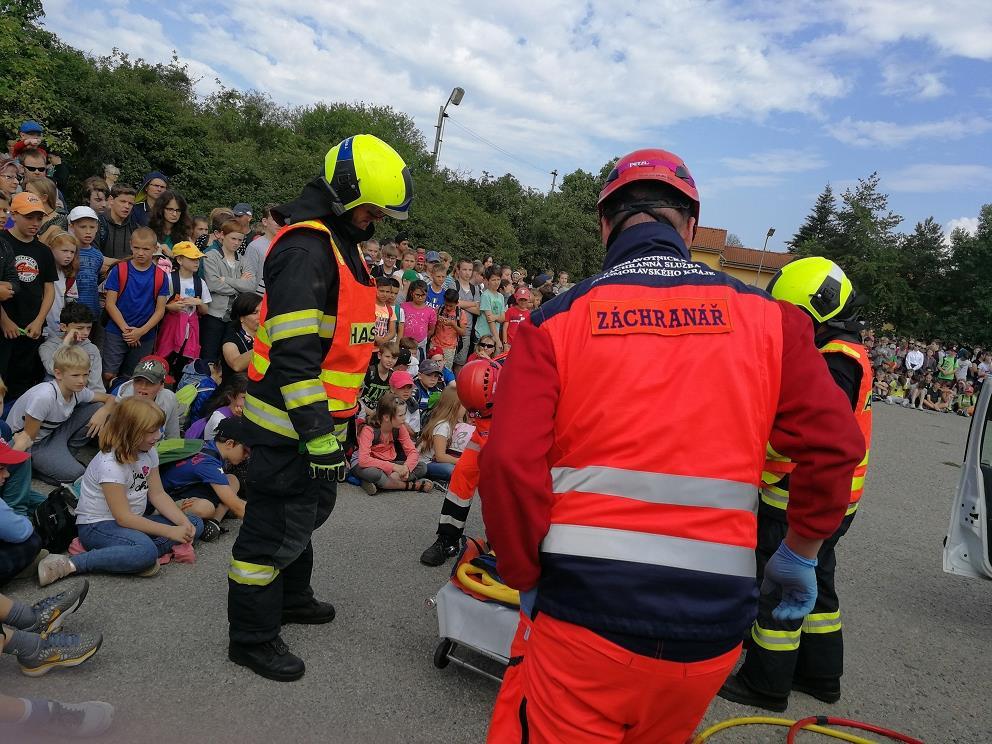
[[766, 101]]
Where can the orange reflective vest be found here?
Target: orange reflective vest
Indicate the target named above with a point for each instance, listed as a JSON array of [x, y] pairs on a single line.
[[774, 480], [351, 334]]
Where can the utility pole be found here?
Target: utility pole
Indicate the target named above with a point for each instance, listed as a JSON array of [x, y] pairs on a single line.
[[554, 179], [761, 261], [454, 99]]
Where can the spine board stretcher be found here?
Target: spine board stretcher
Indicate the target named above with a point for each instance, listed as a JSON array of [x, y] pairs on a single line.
[[486, 628]]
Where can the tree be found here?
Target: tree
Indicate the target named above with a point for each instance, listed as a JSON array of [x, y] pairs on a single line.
[[733, 241], [820, 227]]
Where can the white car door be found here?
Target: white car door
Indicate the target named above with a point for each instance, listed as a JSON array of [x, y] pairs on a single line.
[[966, 548]]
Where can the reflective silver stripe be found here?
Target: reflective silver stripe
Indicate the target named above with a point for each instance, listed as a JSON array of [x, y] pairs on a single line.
[[327, 326], [281, 329], [642, 547], [445, 519], [828, 622], [454, 498], [657, 488], [775, 640]]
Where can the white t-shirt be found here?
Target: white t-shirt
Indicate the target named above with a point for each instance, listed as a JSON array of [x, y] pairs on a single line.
[[187, 288], [442, 429], [46, 403], [104, 468]]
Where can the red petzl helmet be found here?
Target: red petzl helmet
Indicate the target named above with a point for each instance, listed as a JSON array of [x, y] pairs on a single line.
[[651, 165], [476, 385]]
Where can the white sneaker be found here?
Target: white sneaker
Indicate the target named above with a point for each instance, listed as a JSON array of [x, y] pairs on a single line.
[[80, 719], [53, 568]]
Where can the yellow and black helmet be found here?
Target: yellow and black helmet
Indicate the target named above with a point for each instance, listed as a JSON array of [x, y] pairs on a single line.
[[815, 284], [365, 170]]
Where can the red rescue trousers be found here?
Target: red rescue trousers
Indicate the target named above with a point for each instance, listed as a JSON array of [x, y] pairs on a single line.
[[574, 686]]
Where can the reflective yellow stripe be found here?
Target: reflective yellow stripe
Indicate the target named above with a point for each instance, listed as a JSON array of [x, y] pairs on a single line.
[[822, 622], [852, 508], [255, 574], [303, 393], [290, 325], [341, 405], [327, 325], [864, 462], [262, 336], [342, 379], [341, 433], [776, 497], [842, 348], [269, 417], [775, 640], [858, 484]]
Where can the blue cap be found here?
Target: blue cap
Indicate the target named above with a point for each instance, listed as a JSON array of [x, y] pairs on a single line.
[[31, 127], [433, 257]]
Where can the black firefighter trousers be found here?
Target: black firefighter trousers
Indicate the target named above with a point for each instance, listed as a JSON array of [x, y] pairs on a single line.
[[272, 559], [811, 649]]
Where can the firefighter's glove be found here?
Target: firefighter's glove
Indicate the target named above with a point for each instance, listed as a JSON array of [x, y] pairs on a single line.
[[795, 576], [326, 457]]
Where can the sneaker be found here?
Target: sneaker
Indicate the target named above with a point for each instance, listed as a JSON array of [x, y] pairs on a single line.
[[30, 569], [211, 530], [369, 487], [53, 568], [150, 571], [59, 650], [439, 552], [52, 611], [79, 719]]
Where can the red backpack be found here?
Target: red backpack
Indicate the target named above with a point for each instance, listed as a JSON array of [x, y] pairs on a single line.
[[121, 269]]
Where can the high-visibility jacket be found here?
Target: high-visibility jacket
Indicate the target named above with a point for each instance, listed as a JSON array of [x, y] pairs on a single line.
[[630, 497], [775, 477], [347, 337]]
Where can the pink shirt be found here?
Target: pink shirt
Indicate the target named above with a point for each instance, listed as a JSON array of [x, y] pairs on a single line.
[[420, 321], [384, 454]]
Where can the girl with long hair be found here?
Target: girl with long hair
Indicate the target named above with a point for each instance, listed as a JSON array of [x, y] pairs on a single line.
[[436, 439], [387, 457], [118, 485], [170, 219]]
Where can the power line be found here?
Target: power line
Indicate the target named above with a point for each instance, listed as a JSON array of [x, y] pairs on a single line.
[[497, 147]]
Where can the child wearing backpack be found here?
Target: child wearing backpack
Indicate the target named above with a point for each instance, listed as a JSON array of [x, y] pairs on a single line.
[[179, 336], [118, 485], [387, 457], [136, 294]]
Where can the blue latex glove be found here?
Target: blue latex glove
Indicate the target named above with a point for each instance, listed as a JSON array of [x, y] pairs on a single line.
[[527, 600], [796, 576]]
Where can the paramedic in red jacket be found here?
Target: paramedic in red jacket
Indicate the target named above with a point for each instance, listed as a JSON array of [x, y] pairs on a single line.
[[625, 509]]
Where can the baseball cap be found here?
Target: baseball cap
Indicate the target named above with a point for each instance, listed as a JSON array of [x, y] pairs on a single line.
[[430, 367], [232, 427], [31, 127], [400, 378], [241, 209], [150, 369], [26, 203], [522, 294], [10, 456], [433, 256], [540, 280], [186, 249], [410, 275], [82, 213]]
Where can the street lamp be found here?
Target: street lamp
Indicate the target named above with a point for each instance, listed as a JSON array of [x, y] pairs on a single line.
[[454, 99], [761, 262]]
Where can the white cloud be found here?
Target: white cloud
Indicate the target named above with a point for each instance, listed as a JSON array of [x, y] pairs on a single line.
[[892, 134], [900, 79], [777, 162], [929, 178], [968, 224]]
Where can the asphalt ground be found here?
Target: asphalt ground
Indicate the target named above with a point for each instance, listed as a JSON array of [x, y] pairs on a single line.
[[918, 640]]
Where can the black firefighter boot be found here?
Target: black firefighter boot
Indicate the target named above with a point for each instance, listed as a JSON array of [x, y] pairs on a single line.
[[272, 659]]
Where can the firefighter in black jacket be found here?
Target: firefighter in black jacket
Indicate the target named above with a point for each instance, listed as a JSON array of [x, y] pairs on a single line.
[[312, 348]]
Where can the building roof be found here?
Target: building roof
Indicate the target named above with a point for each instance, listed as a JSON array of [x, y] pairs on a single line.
[[710, 239], [751, 258]]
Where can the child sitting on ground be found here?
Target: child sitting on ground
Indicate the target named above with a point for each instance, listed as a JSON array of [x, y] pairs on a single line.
[[897, 392], [387, 457], [409, 357], [118, 485], [199, 484], [401, 385], [75, 327], [15, 490], [55, 418], [376, 382], [437, 436], [484, 349], [427, 389], [228, 400]]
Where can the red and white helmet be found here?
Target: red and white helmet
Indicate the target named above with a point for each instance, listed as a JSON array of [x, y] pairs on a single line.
[[476, 385], [651, 165]]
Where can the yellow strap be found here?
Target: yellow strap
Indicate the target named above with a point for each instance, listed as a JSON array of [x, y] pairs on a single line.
[[485, 584], [841, 347], [253, 574], [822, 622], [342, 379]]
